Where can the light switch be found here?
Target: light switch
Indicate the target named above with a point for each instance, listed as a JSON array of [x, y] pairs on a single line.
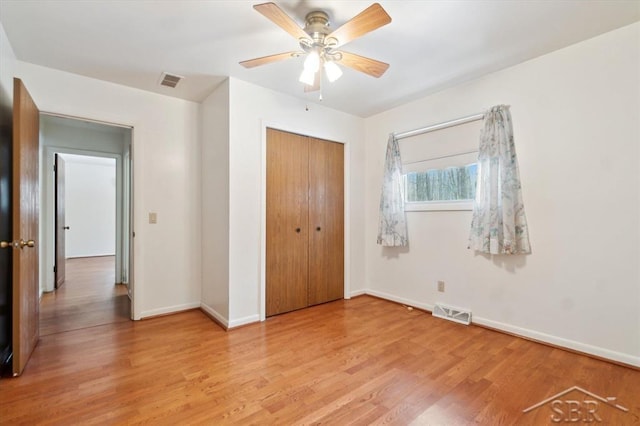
[[153, 218]]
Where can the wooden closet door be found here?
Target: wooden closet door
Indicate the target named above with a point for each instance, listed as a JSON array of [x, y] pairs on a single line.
[[326, 221], [287, 222]]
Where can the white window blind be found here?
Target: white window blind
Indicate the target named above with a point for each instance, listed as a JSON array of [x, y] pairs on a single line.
[[439, 168]]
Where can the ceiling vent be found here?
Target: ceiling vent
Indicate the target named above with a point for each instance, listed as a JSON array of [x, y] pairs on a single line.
[[170, 80]]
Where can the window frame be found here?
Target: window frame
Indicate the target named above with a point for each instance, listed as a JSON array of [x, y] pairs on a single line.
[[429, 206]]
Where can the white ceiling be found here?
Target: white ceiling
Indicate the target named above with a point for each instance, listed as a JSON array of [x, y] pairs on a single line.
[[429, 44]]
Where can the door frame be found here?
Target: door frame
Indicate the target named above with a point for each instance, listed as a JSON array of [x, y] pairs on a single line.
[[47, 231], [263, 206]]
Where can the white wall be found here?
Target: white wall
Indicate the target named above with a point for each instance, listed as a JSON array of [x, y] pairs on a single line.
[[90, 206], [215, 203], [251, 109], [166, 173], [576, 122]]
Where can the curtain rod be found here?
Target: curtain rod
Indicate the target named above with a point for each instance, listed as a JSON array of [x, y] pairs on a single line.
[[440, 158], [444, 125]]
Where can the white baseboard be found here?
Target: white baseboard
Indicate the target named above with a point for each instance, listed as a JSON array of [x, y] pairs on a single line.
[[225, 322], [82, 256], [524, 332], [169, 310], [356, 293], [244, 321], [397, 299], [559, 341], [215, 314]]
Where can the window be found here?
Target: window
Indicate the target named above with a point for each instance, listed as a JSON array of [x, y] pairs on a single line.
[[450, 184], [440, 170]]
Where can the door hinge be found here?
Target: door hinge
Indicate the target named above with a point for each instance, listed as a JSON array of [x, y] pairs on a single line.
[[54, 168], [54, 268]]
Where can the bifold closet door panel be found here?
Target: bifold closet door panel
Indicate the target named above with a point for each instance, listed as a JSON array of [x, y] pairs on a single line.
[[326, 221], [287, 222]]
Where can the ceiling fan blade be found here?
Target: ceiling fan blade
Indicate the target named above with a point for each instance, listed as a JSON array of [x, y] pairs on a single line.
[[269, 59], [281, 19], [368, 20], [363, 64], [316, 83]]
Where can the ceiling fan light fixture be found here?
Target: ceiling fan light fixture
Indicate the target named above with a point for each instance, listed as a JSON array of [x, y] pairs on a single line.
[[321, 44], [332, 70], [312, 62], [307, 77]]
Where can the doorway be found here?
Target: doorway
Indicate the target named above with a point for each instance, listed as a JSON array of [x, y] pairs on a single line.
[[96, 286]]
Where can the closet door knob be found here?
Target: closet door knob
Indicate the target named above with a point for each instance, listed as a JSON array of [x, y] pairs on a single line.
[[298, 230], [318, 228]]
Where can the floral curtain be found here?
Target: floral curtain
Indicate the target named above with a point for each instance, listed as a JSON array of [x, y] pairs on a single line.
[[499, 225], [392, 230]]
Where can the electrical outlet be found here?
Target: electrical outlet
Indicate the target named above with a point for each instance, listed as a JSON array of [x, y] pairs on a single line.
[[441, 286]]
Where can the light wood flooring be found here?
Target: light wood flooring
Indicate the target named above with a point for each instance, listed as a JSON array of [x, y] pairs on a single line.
[[88, 297], [360, 361]]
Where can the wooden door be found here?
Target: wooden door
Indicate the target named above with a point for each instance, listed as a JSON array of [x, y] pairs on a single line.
[[61, 225], [326, 221], [287, 222], [26, 293]]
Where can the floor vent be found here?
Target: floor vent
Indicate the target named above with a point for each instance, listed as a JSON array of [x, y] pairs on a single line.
[[452, 314], [170, 80]]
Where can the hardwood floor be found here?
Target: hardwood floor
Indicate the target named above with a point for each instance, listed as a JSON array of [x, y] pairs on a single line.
[[360, 361], [88, 297]]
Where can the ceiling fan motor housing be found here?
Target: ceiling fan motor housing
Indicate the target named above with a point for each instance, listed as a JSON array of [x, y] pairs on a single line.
[[317, 26]]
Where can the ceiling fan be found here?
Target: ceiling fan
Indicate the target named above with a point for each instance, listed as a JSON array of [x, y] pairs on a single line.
[[321, 45]]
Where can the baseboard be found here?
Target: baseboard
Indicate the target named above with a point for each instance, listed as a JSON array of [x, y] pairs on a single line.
[[356, 293], [402, 300], [226, 323], [215, 316], [572, 345], [85, 256], [244, 321], [169, 310], [562, 343]]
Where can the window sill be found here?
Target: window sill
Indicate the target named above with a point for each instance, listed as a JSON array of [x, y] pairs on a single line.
[[439, 206]]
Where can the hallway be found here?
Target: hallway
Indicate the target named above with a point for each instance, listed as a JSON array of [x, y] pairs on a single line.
[[87, 298]]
